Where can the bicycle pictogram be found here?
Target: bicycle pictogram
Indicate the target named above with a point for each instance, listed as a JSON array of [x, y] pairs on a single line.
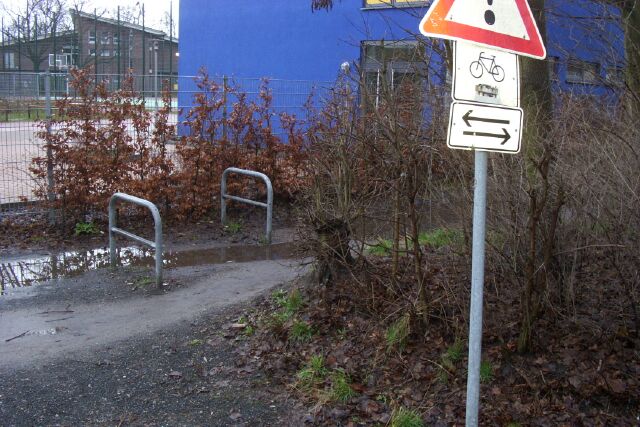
[[488, 64]]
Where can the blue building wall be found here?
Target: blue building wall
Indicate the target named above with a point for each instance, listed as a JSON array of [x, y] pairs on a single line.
[[587, 32], [283, 39]]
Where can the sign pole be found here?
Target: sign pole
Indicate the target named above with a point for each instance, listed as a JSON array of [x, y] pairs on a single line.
[[477, 287], [484, 117]]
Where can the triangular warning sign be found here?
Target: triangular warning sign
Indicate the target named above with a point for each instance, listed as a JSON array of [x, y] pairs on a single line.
[[505, 25]]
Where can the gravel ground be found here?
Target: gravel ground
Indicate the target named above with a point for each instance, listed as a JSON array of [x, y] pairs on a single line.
[[179, 376]]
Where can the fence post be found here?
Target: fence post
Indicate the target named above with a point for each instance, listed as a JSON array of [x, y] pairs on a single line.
[[47, 112]]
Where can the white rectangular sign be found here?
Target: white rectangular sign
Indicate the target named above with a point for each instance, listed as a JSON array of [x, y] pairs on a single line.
[[485, 75], [485, 127]]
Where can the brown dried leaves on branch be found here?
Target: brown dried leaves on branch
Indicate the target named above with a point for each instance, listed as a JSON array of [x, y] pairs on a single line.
[[102, 141]]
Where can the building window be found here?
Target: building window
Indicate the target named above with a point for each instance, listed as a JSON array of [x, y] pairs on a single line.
[[92, 37], [615, 76], [582, 72], [10, 60], [62, 61], [106, 38], [390, 67], [116, 39], [92, 52], [105, 53], [394, 3]]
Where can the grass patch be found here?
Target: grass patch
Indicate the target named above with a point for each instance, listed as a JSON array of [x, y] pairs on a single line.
[[22, 115], [233, 227], [453, 355], [382, 248], [86, 228], [277, 320], [455, 352], [341, 390], [313, 373], [398, 333], [403, 417], [441, 237], [486, 371], [300, 331], [195, 342], [442, 376], [143, 282], [279, 296], [291, 302]]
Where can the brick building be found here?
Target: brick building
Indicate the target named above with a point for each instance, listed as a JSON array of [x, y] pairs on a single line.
[[111, 46]]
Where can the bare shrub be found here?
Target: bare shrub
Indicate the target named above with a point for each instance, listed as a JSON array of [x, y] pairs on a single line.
[[371, 169], [552, 237]]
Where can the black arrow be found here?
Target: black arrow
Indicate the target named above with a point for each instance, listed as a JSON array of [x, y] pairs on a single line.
[[468, 118], [505, 136]]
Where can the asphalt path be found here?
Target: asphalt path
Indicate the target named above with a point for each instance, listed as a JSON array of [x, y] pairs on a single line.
[[100, 350]]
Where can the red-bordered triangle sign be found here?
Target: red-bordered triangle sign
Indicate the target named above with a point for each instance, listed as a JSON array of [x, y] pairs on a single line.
[[503, 24]]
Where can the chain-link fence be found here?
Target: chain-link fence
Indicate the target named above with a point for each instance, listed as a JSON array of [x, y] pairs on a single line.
[[24, 98]]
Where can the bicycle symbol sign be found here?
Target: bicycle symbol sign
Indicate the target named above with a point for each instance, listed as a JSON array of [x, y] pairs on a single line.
[[485, 75], [487, 63]]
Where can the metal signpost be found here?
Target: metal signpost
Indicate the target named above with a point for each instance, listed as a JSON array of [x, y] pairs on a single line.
[[484, 117]]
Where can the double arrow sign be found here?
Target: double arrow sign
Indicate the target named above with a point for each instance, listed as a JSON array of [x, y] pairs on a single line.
[[505, 136], [485, 127]]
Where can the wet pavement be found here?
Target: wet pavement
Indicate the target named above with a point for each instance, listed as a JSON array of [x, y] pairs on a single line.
[[21, 272]]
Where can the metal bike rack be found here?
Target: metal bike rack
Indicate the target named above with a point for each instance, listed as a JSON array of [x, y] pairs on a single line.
[[224, 196], [157, 244]]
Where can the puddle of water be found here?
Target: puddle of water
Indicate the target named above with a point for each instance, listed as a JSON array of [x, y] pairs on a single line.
[[27, 272]]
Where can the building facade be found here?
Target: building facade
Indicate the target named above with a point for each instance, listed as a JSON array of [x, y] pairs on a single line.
[[108, 45], [282, 39]]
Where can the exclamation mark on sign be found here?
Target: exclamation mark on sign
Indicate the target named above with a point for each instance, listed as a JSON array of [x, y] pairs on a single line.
[[489, 16]]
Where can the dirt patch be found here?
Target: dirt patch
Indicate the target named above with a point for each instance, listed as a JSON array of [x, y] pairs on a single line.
[[584, 371]]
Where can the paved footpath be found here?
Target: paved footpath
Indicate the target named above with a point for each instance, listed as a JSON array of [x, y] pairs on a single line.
[[96, 350]]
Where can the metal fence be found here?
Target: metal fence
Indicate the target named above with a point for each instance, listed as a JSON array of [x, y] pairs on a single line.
[[23, 101]]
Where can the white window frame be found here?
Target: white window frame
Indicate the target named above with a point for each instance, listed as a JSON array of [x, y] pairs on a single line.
[[9, 60], [393, 4], [92, 37], [62, 60]]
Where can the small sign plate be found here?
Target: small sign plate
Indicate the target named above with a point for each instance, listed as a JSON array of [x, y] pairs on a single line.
[[485, 127], [485, 75]]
